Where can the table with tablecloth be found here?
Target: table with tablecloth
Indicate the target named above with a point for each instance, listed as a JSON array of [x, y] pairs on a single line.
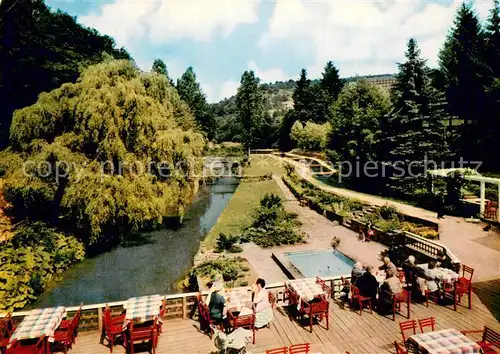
[[40, 322], [446, 341], [143, 308], [306, 288], [238, 298], [442, 274]]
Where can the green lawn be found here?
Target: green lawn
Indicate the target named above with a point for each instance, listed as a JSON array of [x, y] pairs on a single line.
[[264, 164], [238, 213]]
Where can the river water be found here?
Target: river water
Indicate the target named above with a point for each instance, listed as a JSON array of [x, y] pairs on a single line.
[[152, 264]]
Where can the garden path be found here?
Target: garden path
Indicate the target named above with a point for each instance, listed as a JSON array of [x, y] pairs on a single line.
[[320, 231]]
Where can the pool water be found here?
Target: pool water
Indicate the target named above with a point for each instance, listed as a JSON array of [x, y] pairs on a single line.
[[321, 263]]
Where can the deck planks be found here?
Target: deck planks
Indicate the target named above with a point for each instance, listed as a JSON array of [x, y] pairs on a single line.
[[369, 333]]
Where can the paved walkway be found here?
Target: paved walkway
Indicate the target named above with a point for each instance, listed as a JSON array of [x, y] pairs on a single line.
[[320, 231], [462, 238]]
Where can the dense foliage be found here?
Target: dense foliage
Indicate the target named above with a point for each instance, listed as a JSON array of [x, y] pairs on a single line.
[[273, 225], [39, 51], [310, 136], [231, 269], [31, 259], [105, 155], [190, 91], [356, 123]]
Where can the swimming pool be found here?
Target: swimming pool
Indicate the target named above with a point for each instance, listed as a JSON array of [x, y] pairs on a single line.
[[320, 263]]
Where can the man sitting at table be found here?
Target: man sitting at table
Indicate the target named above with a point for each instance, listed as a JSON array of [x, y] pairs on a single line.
[[444, 261], [391, 286], [261, 305], [431, 275], [388, 265], [368, 285], [216, 303]]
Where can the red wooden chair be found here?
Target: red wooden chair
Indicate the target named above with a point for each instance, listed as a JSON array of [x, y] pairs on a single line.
[[272, 299], [490, 212], [405, 326], [489, 340], [73, 323], [244, 321], [4, 336], [38, 346], [293, 302], [360, 300], [64, 338], [456, 291], [9, 323], [112, 329], [283, 350], [400, 349], [401, 276], [163, 311], [396, 300], [299, 348], [317, 308], [325, 287], [142, 333], [427, 322], [371, 235]]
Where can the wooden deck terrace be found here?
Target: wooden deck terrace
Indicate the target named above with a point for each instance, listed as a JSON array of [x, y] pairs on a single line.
[[369, 333]]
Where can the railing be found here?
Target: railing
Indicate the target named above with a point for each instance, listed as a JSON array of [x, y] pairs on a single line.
[[179, 306], [428, 247]]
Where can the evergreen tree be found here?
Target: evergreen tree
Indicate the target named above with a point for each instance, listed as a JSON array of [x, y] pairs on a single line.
[[303, 98], [160, 67], [461, 61], [250, 105], [331, 82], [414, 131], [489, 129], [190, 91]]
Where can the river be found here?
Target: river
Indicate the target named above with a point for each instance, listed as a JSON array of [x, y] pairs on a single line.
[[150, 265]]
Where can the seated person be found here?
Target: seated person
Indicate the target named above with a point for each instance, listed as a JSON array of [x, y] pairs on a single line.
[[444, 261], [216, 303], [391, 286], [261, 305], [412, 273], [431, 277], [368, 285], [388, 265], [356, 272]]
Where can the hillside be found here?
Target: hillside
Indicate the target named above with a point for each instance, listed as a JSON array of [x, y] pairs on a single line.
[[278, 101]]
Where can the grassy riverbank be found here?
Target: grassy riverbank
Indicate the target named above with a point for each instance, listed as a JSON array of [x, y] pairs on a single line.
[[238, 213]]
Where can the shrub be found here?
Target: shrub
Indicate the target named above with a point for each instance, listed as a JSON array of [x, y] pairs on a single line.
[[273, 225], [226, 242], [229, 268], [389, 212]]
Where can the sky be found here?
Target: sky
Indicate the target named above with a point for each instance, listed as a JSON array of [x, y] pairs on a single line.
[[221, 39]]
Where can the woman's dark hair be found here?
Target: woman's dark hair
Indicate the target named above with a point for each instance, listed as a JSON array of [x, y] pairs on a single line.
[[261, 282], [440, 253], [431, 265]]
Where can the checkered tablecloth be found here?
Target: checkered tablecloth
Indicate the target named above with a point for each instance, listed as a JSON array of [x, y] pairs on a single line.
[[238, 297], [143, 308], [40, 322], [446, 341], [443, 273], [306, 288]]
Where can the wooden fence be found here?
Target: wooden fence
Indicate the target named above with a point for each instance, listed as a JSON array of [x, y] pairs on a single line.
[[179, 306]]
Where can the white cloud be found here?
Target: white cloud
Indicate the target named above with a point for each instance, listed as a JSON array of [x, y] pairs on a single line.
[[361, 37], [167, 20], [269, 75], [228, 89]]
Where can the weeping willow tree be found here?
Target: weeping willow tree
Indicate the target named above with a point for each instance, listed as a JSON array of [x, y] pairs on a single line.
[[113, 152]]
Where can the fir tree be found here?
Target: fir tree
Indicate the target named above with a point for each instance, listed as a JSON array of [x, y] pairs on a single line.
[[414, 130], [190, 91], [250, 105], [160, 67], [331, 82], [303, 98]]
